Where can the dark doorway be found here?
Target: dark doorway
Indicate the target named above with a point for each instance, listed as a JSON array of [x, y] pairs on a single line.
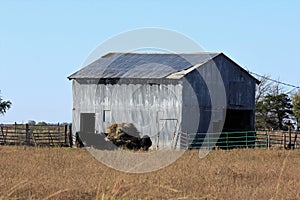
[[238, 120], [238, 130], [87, 122]]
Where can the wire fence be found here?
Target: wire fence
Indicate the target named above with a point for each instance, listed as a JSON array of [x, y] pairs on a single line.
[[241, 139]]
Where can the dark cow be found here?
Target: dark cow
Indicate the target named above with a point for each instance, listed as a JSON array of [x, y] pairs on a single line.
[[146, 142]]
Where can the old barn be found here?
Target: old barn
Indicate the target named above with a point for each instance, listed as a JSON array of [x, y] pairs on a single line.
[[165, 95]]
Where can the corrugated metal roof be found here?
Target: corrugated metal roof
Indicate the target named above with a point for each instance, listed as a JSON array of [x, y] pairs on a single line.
[[141, 65]]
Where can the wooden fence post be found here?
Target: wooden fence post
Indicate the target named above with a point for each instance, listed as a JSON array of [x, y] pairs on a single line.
[[295, 140], [284, 140], [59, 136], [290, 138], [27, 132], [4, 139], [16, 129], [70, 136], [187, 140], [268, 141], [66, 134]]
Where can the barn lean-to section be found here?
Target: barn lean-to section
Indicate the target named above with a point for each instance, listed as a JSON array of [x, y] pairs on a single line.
[[163, 95]]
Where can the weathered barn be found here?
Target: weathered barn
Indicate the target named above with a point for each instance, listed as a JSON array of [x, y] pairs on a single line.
[[164, 95]]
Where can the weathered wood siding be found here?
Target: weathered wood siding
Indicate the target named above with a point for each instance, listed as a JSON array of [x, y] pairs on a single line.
[[155, 109], [240, 86], [198, 106], [202, 83]]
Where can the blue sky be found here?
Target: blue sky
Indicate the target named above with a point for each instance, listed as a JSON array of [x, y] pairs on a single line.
[[41, 43]]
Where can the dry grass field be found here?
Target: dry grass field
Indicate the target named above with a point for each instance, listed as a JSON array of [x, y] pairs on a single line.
[[64, 173]]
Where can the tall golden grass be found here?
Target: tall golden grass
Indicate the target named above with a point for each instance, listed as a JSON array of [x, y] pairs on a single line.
[[64, 173]]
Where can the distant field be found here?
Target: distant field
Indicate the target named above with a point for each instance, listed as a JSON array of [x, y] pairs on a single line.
[[60, 173]]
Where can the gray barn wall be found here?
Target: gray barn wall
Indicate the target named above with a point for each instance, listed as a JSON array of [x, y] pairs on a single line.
[[198, 87], [239, 88], [155, 109]]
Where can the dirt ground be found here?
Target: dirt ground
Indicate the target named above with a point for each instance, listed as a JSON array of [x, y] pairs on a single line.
[[65, 173]]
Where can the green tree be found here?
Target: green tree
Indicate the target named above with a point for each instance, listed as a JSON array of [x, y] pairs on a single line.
[[4, 106], [296, 105], [261, 116], [273, 112], [42, 123], [31, 123]]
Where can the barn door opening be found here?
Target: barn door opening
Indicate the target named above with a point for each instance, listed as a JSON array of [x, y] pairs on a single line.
[[238, 120], [87, 122]]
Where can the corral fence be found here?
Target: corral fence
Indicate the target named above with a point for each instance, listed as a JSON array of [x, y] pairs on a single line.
[[61, 135], [241, 139], [36, 135]]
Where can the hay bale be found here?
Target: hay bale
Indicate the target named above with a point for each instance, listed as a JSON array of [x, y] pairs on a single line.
[[126, 136]]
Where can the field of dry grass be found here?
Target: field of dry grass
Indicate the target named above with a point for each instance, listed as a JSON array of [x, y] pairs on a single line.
[[64, 173]]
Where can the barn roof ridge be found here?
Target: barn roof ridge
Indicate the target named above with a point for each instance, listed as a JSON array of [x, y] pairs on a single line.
[[165, 53], [149, 65]]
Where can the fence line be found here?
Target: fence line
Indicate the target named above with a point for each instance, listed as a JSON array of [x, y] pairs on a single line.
[[36, 135], [241, 139], [61, 135]]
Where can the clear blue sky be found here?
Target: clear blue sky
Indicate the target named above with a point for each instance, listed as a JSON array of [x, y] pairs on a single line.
[[42, 42]]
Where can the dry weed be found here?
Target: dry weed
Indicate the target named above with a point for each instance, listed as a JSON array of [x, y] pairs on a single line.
[[64, 173]]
